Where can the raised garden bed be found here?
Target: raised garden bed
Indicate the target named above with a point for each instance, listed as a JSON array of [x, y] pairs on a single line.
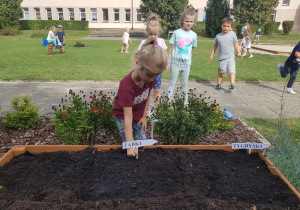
[[200, 177]]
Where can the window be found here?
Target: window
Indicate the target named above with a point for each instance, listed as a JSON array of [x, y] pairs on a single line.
[[94, 15], [37, 13], [48, 14], [71, 14], [116, 15], [127, 15], [105, 15], [204, 15], [26, 14], [273, 15], [138, 16], [285, 2], [60, 14], [196, 11], [82, 14]]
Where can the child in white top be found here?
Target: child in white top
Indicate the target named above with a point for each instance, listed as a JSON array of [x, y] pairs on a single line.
[[125, 40], [153, 28], [247, 44], [51, 38]]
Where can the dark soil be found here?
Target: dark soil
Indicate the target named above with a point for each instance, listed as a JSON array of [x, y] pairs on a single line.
[[44, 134], [159, 179]]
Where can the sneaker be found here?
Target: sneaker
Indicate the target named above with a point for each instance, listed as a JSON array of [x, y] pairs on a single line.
[[244, 54], [280, 65], [251, 56], [218, 87], [290, 90], [122, 52], [231, 87], [126, 52]]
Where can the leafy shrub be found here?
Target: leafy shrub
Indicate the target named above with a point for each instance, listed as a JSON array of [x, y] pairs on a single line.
[[79, 44], [237, 27], [9, 32], [39, 33], [269, 28], [287, 26], [79, 120], [42, 24], [277, 24], [179, 124], [25, 116], [199, 29]]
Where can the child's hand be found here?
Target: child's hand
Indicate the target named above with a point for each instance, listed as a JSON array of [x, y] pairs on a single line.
[[143, 120], [240, 55], [210, 59], [132, 151], [168, 67]]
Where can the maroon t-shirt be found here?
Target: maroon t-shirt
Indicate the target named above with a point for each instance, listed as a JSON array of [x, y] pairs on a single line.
[[131, 95]]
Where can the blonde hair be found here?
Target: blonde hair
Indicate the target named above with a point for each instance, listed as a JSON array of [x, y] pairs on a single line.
[[153, 21], [149, 54], [126, 29], [190, 10], [52, 27]]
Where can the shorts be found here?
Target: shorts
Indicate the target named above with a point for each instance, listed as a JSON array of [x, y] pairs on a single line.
[[158, 84], [227, 65], [136, 129], [256, 36], [247, 47], [124, 42]]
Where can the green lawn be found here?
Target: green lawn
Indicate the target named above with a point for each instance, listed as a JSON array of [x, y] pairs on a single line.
[[268, 127], [26, 59]]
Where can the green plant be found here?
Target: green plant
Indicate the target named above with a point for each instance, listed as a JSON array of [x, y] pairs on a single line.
[[25, 116], [270, 28], [79, 120], [38, 33], [10, 13], [9, 32], [179, 124], [78, 43], [45, 24], [200, 27], [287, 26], [216, 11]]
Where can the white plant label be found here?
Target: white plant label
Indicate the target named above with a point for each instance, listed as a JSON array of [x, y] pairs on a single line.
[[249, 146], [138, 143]]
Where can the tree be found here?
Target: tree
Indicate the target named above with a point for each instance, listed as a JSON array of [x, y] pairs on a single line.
[[216, 11], [254, 11], [10, 13], [168, 10]]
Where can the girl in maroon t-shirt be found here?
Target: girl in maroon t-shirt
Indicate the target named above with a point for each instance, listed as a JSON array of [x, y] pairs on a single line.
[[132, 100]]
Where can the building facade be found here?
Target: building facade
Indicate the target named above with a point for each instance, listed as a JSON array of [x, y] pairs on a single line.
[[126, 13]]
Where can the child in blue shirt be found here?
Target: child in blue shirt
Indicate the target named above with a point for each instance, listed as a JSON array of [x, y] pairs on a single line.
[[291, 66], [61, 37]]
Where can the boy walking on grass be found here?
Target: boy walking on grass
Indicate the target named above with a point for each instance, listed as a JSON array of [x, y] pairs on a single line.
[[226, 42]]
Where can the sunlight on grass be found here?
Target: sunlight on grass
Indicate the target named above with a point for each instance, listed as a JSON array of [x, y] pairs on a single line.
[[268, 127], [26, 59]]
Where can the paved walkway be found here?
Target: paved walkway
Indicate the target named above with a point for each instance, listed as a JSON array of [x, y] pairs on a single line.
[[249, 100]]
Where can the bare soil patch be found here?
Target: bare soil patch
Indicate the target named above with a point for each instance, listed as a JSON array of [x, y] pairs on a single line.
[[159, 179]]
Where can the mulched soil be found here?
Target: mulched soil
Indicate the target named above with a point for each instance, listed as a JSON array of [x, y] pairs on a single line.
[[159, 179], [44, 134]]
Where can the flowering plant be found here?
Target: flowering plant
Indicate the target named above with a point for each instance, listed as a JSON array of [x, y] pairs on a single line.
[[83, 120], [180, 124]]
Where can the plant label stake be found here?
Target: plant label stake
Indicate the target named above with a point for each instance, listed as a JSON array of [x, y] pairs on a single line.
[[249, 146], [138, 143], [152, 126]]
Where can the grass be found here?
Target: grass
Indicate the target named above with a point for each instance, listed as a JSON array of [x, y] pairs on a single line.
[[26, 59], [268, 127]]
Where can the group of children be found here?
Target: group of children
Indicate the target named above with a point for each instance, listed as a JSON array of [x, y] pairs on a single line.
[[59, 37]]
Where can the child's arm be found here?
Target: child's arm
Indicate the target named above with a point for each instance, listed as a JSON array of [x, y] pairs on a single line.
[[123, 36], [128, 129], [130, 40], [237, 48], [168, 66], [143, 119], [297, 54], [215, 47], [170, 54], [64, 39]]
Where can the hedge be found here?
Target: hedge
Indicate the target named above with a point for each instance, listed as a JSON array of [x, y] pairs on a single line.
[[81, 25], [199, 29], [287, 26]]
